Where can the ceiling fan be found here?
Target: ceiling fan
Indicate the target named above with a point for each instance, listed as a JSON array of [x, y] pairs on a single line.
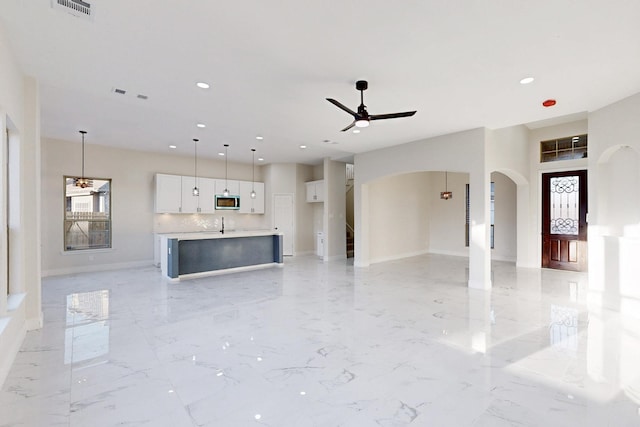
[[362, 118]]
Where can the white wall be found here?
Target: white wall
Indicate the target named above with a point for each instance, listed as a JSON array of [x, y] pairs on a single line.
[[509, 152], [19, 111], [305, 236], [447, 217], [334, 222], [614, 212], [398, 216], [505, 230], [289, 179], [133, 218]]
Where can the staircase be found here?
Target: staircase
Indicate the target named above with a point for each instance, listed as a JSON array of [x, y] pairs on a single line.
[[349, 196]]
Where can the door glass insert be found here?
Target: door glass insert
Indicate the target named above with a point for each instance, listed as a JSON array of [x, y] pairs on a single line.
[[565, 202]]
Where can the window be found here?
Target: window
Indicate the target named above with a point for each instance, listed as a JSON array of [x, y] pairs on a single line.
[[569, 148], [87, 219], [466, 214]]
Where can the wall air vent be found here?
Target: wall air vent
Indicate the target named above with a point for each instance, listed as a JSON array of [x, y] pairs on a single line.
[[77, 8]]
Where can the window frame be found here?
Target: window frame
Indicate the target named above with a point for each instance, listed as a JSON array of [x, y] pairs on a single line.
[[70, 249]]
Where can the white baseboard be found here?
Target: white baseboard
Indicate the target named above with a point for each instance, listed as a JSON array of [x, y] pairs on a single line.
[[448, 253], [398, 256], [304, 253], [96, 267], [35, 323]]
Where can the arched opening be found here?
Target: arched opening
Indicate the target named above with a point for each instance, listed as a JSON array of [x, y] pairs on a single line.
[[504, 227]]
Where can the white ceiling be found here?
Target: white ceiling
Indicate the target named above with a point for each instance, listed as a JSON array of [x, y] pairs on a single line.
[[272, 64]]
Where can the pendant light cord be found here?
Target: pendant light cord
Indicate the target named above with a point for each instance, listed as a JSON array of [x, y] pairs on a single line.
[[195, 161], [83, 132], [226, 169], [253, 169]]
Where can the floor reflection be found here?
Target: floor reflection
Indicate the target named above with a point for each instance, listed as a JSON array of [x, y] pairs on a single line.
[[87, 327]]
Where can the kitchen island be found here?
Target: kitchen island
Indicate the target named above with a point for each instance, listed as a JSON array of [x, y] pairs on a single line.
[[185, 255]]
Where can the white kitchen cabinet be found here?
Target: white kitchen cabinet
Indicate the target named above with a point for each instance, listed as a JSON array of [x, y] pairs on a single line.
[[232, 185], [206, 201], [315, 191], [189, 201], [247, 204], [168, 193]]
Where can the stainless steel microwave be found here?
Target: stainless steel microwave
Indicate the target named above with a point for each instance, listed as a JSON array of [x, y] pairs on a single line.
[[227, 202]]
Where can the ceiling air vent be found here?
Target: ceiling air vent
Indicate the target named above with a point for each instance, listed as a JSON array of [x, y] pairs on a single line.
[[77, 8]]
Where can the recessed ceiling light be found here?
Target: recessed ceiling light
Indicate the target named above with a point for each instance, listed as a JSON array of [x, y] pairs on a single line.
[[526, 80], [202, 85], [201, 125], [259, 138], [303, 147], [221, 154], [260, 159], [356, 131], [172, 146]]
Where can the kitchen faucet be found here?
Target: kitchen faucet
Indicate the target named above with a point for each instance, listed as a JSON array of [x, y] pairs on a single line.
[[222, 229]]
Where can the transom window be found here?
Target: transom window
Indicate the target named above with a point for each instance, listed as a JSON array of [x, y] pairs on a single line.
[[569, 148], [87, 218]]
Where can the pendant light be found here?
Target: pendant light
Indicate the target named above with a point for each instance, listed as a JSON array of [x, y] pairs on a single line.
[[195, 191], [253, 173], [446, 194], [226, 187], [82, 182]]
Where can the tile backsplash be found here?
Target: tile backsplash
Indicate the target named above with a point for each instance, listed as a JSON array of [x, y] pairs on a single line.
[[185, 223]]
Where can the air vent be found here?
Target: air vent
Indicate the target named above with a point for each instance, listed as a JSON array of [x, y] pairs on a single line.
[[140, 96], [77, 8], [119, 91]]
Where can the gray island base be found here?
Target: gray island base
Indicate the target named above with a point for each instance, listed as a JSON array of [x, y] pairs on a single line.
[[188, 255]]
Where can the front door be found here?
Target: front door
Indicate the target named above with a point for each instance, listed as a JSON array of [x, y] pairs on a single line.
[[564, 220]]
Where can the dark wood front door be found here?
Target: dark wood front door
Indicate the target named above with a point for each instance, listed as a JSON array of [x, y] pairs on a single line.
[[564, 220]]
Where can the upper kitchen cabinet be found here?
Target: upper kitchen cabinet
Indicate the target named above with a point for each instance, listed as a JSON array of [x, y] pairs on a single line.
[[315, 191], [206, 200], [168, 193], [189, 201], [232, 185], [174, 194], [247, 204]]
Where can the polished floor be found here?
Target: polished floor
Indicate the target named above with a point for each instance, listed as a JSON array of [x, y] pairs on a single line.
[[325, 344]]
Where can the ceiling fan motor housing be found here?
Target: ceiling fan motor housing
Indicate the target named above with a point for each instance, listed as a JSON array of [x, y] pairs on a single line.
[[362, 85]]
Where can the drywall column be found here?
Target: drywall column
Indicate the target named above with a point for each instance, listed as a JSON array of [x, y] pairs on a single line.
[[525, 242], [334, 223], [479, 229], [30, 204], [361, 224]]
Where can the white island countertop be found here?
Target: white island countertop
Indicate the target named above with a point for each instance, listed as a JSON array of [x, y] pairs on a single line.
[[198, 235]]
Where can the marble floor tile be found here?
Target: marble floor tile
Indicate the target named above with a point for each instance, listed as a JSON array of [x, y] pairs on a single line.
[[401, 343]]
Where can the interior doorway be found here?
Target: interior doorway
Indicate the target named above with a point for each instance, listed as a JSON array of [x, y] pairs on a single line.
[[564, 220]]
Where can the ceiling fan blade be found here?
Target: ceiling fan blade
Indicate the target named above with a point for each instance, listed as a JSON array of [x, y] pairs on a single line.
[[391, 115], [349, 127], [342, 107]]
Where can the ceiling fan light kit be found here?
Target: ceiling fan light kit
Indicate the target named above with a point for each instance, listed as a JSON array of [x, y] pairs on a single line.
[[362, 118]]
